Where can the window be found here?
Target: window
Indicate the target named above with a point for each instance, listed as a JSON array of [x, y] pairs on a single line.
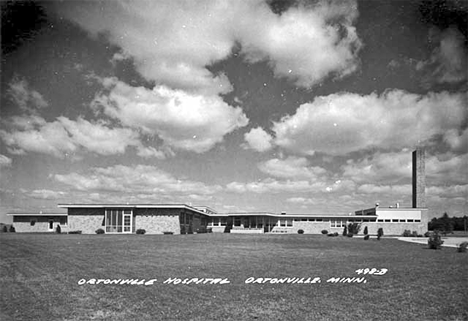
[[379, 220], [303, 219], [311, 219], [417, 221], [33, 222], [283, 223], [410, 221], [387, 221], [118, 221], [319, 220], [402, 221], [223, 221], [289, 223], [337, 223], [395, 221]]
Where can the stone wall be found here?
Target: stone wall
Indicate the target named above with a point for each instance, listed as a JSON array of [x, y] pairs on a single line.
[[87, 224], [158, 224]]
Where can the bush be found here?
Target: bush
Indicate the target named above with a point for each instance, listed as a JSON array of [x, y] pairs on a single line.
[[427, 234], [350, 235], [366, 231], [324, 232], [354, 228], [5, 228], [99, 231], [414, 234], [345, 231], [379, 233], [461, 248], [168, 233], [406, 233], [12, 229], [366, 237], [74, 232], [140, 231], [300, 232], [435, 241], [58, 230], [336, 233]]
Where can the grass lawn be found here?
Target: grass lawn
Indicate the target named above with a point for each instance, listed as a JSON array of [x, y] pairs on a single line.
[[40, 277]]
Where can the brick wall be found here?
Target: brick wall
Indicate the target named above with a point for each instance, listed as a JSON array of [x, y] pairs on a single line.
[[22, 224], [388, 228]]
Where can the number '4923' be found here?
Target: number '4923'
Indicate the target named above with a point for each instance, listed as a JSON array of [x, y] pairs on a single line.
[[372, 271]]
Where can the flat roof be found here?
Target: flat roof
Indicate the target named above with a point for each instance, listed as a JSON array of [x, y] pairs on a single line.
[[128, 205], [293, 215], [37, 214]]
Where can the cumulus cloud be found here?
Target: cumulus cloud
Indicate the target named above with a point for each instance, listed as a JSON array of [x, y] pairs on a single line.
[[26, 98], [180, 119], [45, 194], [342, 123], [291, 167], [448, 61], [5, 161], [258, 139], [397, 190], [173, 42], [141, 179], [64, 136]]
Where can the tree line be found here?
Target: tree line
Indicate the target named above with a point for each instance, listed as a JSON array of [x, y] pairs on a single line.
[[448, 224]]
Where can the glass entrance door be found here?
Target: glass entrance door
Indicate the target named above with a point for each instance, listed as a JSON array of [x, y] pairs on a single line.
[[118, 221]]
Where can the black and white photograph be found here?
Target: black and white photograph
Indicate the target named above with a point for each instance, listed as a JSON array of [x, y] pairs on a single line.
[[234, 160]]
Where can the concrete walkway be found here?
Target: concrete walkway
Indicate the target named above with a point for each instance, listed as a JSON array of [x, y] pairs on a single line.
[[448, 241]]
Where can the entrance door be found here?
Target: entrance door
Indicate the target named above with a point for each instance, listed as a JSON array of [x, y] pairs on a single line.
[[127, 222]]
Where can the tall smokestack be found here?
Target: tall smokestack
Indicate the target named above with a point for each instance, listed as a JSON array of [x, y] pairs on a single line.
[[419, 179]]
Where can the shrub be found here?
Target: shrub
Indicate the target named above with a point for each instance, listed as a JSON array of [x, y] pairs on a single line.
[[414, 234], [435, 241], [350, 235], [427, 234], [406, 233], [324, 232], [461, 248], [366, 237], [345, 231], [12, 229], [379, 233], [74, 232], [336, 233], [168, 233], [140, 231], [5, 228], [300, 232], [354, 228], [366, 231], [330, 234], [99, 231], [58, 230]]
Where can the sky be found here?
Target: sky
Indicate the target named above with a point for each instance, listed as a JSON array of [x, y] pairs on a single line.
[[303, 107]]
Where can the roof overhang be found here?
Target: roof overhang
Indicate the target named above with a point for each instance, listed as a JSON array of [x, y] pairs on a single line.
[[37, 214], [181, 206]]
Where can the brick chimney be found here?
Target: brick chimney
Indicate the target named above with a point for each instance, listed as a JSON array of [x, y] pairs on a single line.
[[419, 179]]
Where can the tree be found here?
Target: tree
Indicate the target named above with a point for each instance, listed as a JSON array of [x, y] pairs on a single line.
[[345, 231], [379, 233], [366, 231]]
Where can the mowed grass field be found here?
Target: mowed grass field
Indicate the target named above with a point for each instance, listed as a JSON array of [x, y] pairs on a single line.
[[40, 277]]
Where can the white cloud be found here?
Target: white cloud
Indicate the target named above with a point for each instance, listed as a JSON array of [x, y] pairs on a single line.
[[141, 179], [271, 185], [45, 194], [291, 167], [258, 139], [5, 161], [182, 120], [64, 136], [342, 123], [447, 169], [448, 61], [172, 42], [26, 98], [397, 190], [457, 139]]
